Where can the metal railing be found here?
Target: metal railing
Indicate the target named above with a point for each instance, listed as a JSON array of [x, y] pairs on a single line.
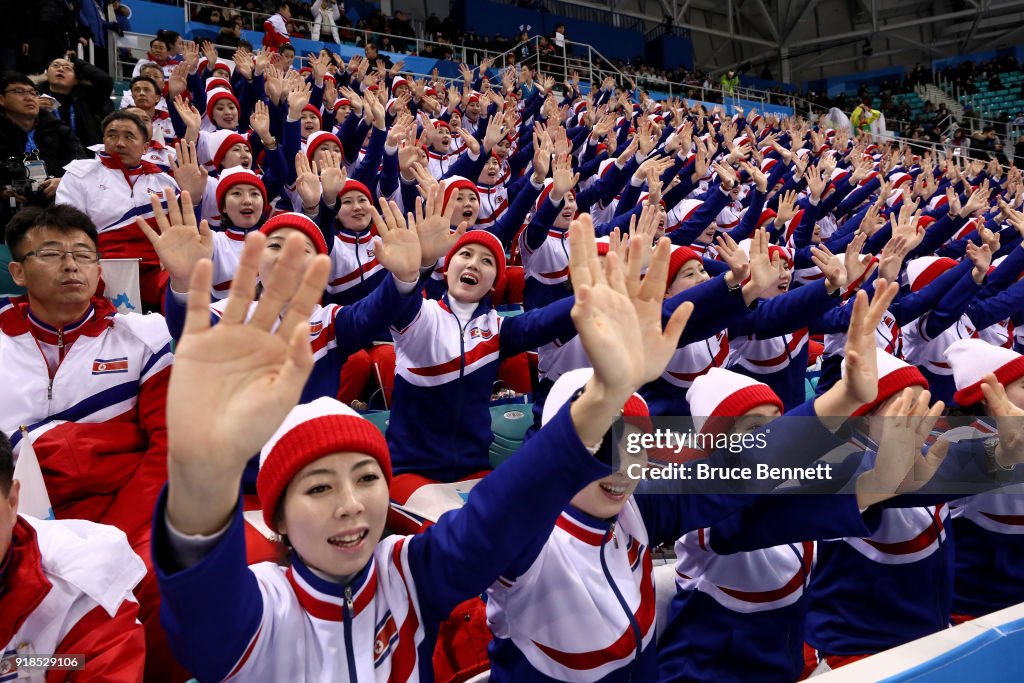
[[570, 10], [253, 21]]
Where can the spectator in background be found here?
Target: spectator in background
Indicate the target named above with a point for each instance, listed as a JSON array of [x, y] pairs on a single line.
[[29, 135], [113, 189], [12, 33], [1018, 152], [79, 94], [287, 54], [120, 14], [917, 75], [373, 54], [730, 81], [50, 31], [326, 12], [159, 54], [275, 28], [229, 38], [984, 143], [402, 27]]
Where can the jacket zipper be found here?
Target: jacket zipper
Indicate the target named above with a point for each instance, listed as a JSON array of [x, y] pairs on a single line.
[[359, 263], [348, 614], [60, 359], [633, 625], [462, 356]]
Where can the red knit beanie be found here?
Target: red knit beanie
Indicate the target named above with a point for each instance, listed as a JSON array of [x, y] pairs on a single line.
[[310, 432], [214, 146], [634, 412], [720, 396], [297, 221], [238, 176], [679, 257], [316, 112], [355, 186], [894, 375], [923, 270], [456, 183], [486, 239], [216, 96], [972, 359], [318, 138]]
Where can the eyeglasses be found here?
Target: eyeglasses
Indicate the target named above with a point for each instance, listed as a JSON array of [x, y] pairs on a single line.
[[52, 256], [20, 92]]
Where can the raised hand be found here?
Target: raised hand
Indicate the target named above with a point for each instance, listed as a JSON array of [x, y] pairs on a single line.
[[432, 223], [726, 176], [646, 228], [178, 81], [190, 116], [298, 99], [562, 176], [816, 183], [861, 379], [1009, 425], [307, 183], [424, 180], [332, 175], [786, 211], [243, 64], [177, 240], [493, 134], [355, 100], [757, 175], [622, 335], [396, 247], [235, 382], [908, 422], [190, 176], [259, 121], [210, 52], [977, 201], [735, 258], [763, 273], [858, 267], [542, 151], [831, 266], [981, 256]]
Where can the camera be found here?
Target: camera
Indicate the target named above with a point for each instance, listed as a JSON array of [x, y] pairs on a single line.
[[20, 179]]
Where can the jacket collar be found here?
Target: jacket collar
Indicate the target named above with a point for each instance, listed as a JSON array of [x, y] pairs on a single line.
[[19, 319], [324, 599], [25, 585], [481, 308]]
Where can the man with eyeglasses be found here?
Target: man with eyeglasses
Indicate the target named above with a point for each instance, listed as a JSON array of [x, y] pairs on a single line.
[[35, 146], [113, 189], [89, 383], [79, 94]]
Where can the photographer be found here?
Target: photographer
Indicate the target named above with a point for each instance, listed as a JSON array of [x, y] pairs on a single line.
[[35, 145]]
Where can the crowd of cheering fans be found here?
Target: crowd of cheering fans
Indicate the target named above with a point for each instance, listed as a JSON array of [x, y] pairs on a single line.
[[317, 237]]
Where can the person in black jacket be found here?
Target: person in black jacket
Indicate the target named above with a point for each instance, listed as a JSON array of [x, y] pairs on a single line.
[[28, 134], [50, 31], [82, 92]]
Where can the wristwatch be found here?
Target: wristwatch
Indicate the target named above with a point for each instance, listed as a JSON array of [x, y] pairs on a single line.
[[992, 466]]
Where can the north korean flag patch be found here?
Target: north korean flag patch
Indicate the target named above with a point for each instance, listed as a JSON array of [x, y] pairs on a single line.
[[110, 366]]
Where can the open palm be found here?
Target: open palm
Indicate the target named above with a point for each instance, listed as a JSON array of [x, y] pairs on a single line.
[[177, 240]]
